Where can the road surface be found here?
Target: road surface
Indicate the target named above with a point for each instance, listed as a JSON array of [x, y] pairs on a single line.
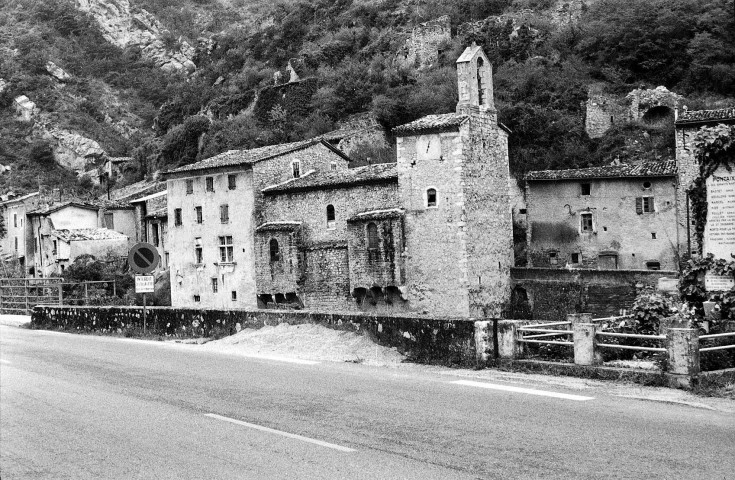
[[87, 407]]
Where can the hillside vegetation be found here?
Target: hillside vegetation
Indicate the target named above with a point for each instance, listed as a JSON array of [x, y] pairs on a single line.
[[542, 66]]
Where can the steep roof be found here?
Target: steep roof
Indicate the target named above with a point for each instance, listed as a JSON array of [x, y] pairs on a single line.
[[649, 169], [468, 53], [249, 157], [370, 174], [135, 190], [19, 199], [432, 123], [706, 116], [81, 234]]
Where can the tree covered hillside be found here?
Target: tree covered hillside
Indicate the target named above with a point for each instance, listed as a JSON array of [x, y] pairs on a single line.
[[349, 53]]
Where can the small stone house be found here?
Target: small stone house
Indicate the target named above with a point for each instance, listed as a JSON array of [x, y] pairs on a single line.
[[152, 212], [607, 218], [60, 247]]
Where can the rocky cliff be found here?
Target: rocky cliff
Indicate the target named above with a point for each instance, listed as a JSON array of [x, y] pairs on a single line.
[[127, 26]]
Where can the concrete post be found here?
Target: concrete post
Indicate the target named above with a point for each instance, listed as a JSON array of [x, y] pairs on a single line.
[[584, 344], [682, 346], [508, 345], [579, 318], [483, 339]]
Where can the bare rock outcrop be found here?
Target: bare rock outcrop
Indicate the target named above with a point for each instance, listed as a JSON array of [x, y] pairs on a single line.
[[74, 151], [57, 72], [126, 26]]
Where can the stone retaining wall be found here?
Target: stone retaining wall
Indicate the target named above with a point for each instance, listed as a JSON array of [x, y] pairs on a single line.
[[428, 340]]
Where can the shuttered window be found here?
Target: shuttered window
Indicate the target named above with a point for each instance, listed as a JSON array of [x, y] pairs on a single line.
[[224, 213], [644, 205]]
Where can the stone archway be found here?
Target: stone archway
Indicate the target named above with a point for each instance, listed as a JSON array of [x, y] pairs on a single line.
[[660, 116]]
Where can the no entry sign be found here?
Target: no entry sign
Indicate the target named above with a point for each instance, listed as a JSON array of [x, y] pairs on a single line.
[[143, 258]]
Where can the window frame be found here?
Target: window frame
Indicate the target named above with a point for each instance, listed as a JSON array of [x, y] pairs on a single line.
[[372, 242], [209, 184], [215, 284], [189, 186], [198, 214], [331, 219], [582, 222], [232, 182], [427, 200], [177, 217], [198, 251], [585, 187], [296, 169], [226, 249], [224, 213], [155, 234], [274, 254]]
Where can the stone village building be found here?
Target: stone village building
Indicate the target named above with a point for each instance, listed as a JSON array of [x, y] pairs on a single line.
[[293, 225], [606, 218], [16, 240]]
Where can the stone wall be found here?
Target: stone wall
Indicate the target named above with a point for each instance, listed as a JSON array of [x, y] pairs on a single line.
[[422, 47], [688, 170], [602, 111], [424, 339], [554, 218], [552, 293], [381, 267], [326, 282]]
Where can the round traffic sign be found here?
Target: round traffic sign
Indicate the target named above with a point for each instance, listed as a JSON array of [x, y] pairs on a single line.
[[143, 258]]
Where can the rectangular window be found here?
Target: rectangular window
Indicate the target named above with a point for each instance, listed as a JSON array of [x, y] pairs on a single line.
[[109, 221], [189, 187], [15, 220], [198, 250], [197, 298], [16, 244], [653, 235], [214, 285], [198, 212], [296, 165], [177, 217], [224, 213], [210, 184], [155, 235], [644, 205], [225, 249], [586, 222], [585, 188], [53, 251], [234, 295], [553, 259], [166, 257], [575, 258], [232, 182]]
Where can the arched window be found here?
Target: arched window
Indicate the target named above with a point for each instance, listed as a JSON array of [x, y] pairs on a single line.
[[330, 217], [275, 253], [480, 88], [372, 236], [431, 197]]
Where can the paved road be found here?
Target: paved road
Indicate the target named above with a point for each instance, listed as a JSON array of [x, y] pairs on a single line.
[[93, 407]]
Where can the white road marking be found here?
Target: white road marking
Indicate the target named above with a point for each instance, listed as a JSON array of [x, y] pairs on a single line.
[[267, 357], [278, 432], [528, 391], [5, 362]]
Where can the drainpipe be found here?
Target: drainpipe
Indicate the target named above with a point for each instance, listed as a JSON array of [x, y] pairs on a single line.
[[689, 233]]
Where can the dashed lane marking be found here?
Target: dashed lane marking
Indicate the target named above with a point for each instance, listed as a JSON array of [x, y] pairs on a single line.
[[528, 391], [278, 432], [5, 362]]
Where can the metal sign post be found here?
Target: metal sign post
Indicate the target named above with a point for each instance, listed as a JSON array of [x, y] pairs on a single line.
[[143, 258]]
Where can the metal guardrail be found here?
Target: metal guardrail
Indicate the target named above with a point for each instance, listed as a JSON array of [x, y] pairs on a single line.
[[545, 333], [718, 347], [20, 295]]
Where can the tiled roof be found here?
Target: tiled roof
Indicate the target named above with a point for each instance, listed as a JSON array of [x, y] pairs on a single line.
[[50, 208], [158, 213], [248, 157], [18, 199], [278, 227], [649, 169], [80, 234], [377, 214], [433, 123], [706, 116], [136, 190], [378, 173]]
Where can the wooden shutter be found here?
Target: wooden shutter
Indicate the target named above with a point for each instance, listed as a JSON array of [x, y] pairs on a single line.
[[639, 205]]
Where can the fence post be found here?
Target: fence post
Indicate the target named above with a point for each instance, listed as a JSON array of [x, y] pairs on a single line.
[[86, 293], [61, 293], [481, 342], [682, 347], [584, 344], [25, 293], [508, 345]]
